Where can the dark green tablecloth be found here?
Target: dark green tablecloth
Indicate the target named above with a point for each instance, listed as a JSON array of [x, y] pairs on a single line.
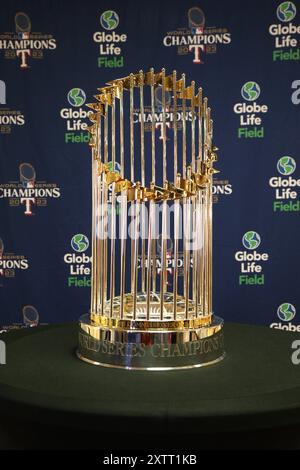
[[256, 386]]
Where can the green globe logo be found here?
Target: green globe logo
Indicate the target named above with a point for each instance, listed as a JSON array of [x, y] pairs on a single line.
[[286, 166], [250, 91], [286, 11], [251, 240], [80, 243], [286, 312], [116, 168], [109, 20], [76, 97]]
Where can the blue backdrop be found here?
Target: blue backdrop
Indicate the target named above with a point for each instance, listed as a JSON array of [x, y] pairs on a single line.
[[53, 56]]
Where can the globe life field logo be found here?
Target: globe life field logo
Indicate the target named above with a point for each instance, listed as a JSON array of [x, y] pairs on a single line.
[[250, 124], [76, 97], [109, 20], [110, 50], [285, 186], [250, 260], [251, 240], [286, 166], [250, 91], [79, 262], [74, 117], [80, 243], [285, 33], [286, 312]]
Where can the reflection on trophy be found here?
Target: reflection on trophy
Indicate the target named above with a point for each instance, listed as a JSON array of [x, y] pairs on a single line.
[[23, 24], [27, 179], [196, 20], [27, 175], [162, 191], [30, 316]]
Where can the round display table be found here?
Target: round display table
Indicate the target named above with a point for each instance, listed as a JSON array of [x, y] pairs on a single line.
[[51, 399]]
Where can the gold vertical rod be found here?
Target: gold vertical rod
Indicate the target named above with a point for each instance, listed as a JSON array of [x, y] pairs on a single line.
[[131, 105], [131, 127], [123, 207], [186, 242], [206, 265], [210, 222], [98, 219], [207, 261], [183, 128], [164, 127], [195, 253], [142, 129], [203, 250], [152, 126], [209, 250], [121, 101], [176, 246], [152, 203], [205, 129], [149, 259], [101, 241], [194, 213], [163, 261], [104, 214], [136, 251], [94, 252], [142, 126], [175, 123], [123, 235], [163, 276], [200, 287], [176, 203], [200, 134], [193, 127], [205, 213], [198, 252], [184, 202], [113, 208]]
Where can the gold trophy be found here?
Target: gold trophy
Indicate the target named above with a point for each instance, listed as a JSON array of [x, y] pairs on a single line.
[[152, 169]]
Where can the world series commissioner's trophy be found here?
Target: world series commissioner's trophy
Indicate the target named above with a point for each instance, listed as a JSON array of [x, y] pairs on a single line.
[[152, 171]]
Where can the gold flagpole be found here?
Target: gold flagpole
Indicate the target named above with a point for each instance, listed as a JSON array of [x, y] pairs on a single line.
[[153, 179], [123, 208], [176, 203], [113, 207], [142, 135], [163, 273]]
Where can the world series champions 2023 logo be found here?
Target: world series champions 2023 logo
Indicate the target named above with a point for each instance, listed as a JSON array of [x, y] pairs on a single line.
[[9, 118], [23, 44], [10, 263], [196, 38], [28, 192]]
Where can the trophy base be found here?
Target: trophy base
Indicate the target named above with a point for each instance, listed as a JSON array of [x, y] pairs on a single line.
[[154, 350]]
